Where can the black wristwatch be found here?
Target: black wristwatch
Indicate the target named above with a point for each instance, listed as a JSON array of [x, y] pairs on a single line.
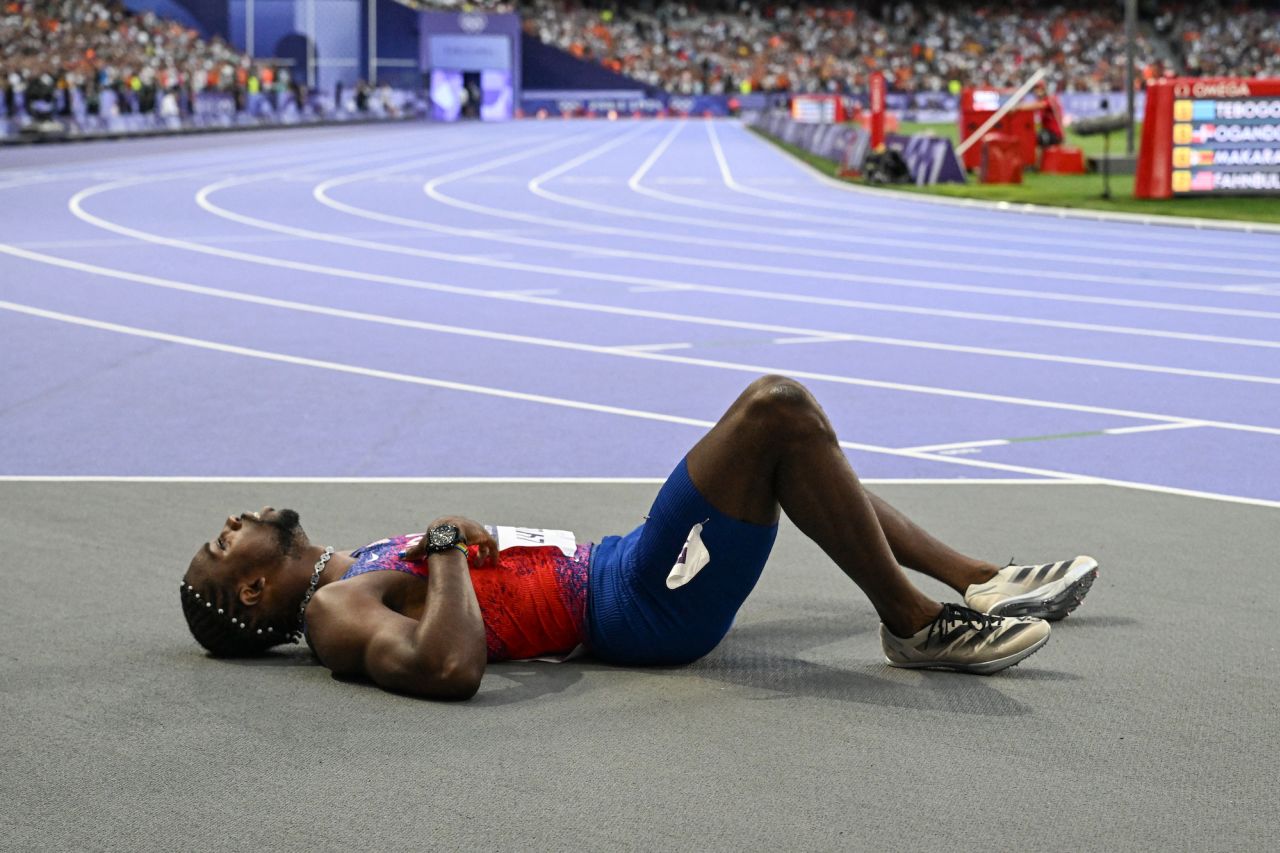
[[444, 537]]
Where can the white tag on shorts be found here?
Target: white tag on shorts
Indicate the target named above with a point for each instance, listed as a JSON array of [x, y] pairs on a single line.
[[533, 537], [693, 557]]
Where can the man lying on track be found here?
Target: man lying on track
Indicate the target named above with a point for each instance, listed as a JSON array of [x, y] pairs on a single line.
[[423, 614]]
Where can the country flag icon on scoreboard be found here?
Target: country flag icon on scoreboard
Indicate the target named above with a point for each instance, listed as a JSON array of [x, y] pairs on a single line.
[[1186, 181], [1184, 110], [1203, 132], [1185, 158]]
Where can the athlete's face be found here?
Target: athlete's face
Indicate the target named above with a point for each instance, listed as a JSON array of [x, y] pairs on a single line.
[[250, 541]]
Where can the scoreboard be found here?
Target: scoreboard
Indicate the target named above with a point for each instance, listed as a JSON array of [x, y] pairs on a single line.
[[1210, 136], [817, 109]]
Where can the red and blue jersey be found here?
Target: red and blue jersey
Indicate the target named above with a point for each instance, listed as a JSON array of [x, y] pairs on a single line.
[[533, 601]]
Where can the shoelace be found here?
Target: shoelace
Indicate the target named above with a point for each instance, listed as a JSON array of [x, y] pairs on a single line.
[[953, 616]]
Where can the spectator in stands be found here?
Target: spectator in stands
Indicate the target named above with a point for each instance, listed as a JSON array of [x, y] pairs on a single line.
[[723, 46], [60, 52], [1225, 39]]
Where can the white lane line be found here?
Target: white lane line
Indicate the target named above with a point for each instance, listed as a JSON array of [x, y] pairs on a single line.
[[555, 343], [977, 242], [202, 198], [576, 404], [1151, 428], [705, 362], [536, 186], [484, 390], [1269, 289], [728, 365], [339, 367], [432, 190], [321, 195], [813, 339], [651, 284], [965, 445], [1001, 442], [652, 347], [210, 240], [96, 173], [464, 291], [35, 180]]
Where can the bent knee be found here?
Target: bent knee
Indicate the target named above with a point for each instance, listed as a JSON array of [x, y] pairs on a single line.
[[774, 389], [784, 405]]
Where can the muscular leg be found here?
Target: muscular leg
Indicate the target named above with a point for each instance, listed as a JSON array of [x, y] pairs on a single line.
[[775, 449], [914, 548]]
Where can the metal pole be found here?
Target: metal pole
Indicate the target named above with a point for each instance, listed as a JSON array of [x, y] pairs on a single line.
[[1130, 36], [248, 28], [311, 44], [1000, 113], [373, 43]]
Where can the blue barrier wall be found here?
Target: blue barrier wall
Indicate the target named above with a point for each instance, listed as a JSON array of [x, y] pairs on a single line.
[[209, 17], [178, 11], [282, 28], [398, 37], [548, 68]]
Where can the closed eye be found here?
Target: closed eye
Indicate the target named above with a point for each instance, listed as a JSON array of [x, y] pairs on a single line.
[[222, 544]]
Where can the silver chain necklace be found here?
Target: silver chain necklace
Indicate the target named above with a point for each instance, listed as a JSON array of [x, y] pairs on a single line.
[[315, 579]]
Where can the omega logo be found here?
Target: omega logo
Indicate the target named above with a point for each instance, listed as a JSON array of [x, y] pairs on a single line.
[[1213, 89], [472, 23]]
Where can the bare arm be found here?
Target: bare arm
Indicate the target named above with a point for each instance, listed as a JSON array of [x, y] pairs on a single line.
[[440, 656]]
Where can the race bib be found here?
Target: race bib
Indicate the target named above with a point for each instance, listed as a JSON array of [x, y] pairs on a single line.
[[533, 537]]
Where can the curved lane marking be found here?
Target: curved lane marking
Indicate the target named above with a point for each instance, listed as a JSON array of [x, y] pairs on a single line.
[[619, 352], [301, 361]]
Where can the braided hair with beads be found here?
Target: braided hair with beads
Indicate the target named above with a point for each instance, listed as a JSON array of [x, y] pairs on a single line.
[[226, 632]]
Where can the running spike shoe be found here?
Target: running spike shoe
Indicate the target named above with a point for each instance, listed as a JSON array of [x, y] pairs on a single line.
[[1049, 591], [965, 640]]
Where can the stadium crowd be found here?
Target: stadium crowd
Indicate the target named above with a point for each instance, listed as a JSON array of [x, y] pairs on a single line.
[[59, 54], [52, 51], [1223, 39], [725, 46]]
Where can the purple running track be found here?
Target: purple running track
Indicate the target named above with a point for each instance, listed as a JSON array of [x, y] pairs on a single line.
[[582, 299]]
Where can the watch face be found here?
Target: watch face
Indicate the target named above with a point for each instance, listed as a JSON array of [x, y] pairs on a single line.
[[443, 536]]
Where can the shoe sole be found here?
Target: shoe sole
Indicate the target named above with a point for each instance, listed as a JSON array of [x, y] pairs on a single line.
[[983, 668], [1067, 597]]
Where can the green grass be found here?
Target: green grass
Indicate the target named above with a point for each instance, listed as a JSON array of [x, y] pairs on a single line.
[[1081, 191]]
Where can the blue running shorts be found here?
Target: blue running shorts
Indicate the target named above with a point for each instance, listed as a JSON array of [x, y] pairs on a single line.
[[633, 618]]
